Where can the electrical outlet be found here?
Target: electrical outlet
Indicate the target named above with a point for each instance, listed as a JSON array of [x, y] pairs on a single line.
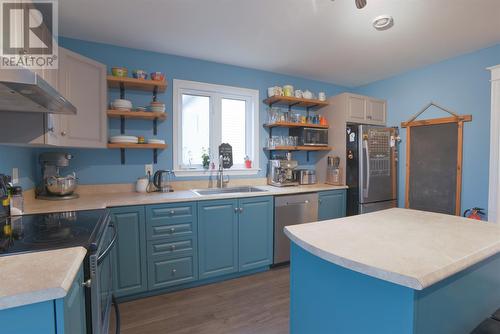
[[148, 169], [15, 175]]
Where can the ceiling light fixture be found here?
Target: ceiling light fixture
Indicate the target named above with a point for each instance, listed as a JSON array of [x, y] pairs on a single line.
[[360, 3], [383, 22]]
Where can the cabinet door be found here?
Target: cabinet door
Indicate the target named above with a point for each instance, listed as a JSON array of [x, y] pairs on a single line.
[[332, 204], [129, 254], [74, 307], [376, 111], [255, 232], [83, 82], [356, 109], [217, 238]]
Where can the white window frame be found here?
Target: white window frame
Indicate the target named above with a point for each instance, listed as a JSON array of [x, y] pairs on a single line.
[[216, 92]]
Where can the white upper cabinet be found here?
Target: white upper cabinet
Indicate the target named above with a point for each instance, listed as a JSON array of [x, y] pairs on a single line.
[[364, 109], [80, 80], [376, 111], [83, 82], [356, 108]]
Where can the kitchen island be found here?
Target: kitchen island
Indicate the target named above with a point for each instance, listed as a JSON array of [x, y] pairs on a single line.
[[393, 271]]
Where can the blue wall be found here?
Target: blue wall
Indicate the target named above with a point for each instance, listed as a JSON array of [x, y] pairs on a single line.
[[22, 158], [460, 84], [103, 166]]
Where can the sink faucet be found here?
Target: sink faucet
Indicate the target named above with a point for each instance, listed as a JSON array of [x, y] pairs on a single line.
[[221, 183]]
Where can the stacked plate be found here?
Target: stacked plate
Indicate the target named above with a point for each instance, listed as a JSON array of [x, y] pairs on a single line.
[[124, 139], [121, 104], [156, 141], [157, 106]]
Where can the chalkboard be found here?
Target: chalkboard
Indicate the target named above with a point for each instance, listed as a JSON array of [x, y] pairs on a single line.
[[433, 160], [226, 151]]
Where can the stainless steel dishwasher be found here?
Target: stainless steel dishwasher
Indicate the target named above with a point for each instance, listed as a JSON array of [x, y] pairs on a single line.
[[291, 210]]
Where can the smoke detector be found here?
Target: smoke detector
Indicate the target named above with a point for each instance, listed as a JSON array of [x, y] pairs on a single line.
[[383, 22]]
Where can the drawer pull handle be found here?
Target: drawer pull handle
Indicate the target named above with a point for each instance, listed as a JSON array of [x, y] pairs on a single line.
[[172, 212], [172, 248], [172, 230], [174, 271]]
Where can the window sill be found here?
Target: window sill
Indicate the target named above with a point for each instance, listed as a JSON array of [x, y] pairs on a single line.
[[209, 172]]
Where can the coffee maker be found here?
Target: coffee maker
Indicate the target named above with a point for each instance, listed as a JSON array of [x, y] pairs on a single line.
[[53, 186], [281, 172]]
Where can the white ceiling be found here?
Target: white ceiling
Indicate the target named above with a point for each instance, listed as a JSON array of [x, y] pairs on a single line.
[[326, 40]]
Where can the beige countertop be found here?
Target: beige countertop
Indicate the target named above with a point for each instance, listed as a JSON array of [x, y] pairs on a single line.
[[39, 276], [103, 199], [408, 247]]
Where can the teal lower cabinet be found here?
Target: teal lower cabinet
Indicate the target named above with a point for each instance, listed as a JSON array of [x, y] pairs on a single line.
[[74, 307], [332, 204], [171, 231], [164, 246], [61, 316], [255, 232], [164, 271], [217, 238], [129, 254]]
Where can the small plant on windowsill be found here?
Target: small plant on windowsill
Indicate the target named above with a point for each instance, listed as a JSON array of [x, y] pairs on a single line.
[[248, 162], [205, 158]]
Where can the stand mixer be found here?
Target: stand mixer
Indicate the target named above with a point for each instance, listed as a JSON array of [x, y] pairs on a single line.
[[53, 186]]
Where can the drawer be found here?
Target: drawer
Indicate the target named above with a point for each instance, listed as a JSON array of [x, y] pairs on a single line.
[[165, 213], [171, 248], [164, 272], [170, 220], [170, 231]]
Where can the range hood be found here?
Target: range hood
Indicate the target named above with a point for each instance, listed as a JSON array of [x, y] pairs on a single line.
[[22, 90]]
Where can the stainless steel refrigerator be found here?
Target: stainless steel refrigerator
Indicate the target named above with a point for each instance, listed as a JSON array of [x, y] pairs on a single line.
[[371, 168]]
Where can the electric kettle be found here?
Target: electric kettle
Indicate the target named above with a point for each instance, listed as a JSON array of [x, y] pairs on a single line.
[[161, 181]]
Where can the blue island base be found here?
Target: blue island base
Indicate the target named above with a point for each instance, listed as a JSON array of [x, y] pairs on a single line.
[[327, 298]]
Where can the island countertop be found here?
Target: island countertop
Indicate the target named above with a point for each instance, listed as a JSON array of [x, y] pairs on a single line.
[[407, 247]]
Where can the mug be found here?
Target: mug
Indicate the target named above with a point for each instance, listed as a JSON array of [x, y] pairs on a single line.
[[322, 96], [298, 94], [307, 94], [271, 91]]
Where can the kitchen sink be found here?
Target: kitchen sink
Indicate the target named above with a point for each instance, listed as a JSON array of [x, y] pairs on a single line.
[[218, 191]]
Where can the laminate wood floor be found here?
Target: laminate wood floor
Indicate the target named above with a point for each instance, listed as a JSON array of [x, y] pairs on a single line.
[[254, 304]]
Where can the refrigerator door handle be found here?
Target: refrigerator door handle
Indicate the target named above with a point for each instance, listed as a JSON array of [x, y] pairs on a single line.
[[367, 156]]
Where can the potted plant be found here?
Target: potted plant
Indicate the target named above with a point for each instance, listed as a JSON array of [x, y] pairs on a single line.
[[248, 162], [205, 158]]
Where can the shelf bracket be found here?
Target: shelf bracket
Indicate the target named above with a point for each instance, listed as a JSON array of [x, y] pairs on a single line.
[[155, 156], [155, 126], [122, 90], [307, 156], [122, 125], [155, 93], [122, 155]]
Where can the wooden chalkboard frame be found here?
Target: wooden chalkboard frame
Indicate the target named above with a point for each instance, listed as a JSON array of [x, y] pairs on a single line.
[[426, 122]]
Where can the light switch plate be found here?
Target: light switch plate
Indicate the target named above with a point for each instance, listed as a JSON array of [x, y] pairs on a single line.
[[15, 175], [148, 169]]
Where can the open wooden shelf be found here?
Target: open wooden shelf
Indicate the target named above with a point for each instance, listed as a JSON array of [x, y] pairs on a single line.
[[148, 115], [299, 148], [295, 125], [137, 146], [290, 101], [136, 84]]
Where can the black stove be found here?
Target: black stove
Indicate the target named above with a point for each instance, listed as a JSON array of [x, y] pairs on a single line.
[[50, 231]]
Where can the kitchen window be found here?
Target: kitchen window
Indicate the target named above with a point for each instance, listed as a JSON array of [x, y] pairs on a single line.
[[207, 115]]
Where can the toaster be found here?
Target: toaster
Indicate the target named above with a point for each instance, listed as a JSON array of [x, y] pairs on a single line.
[[306, 176]]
